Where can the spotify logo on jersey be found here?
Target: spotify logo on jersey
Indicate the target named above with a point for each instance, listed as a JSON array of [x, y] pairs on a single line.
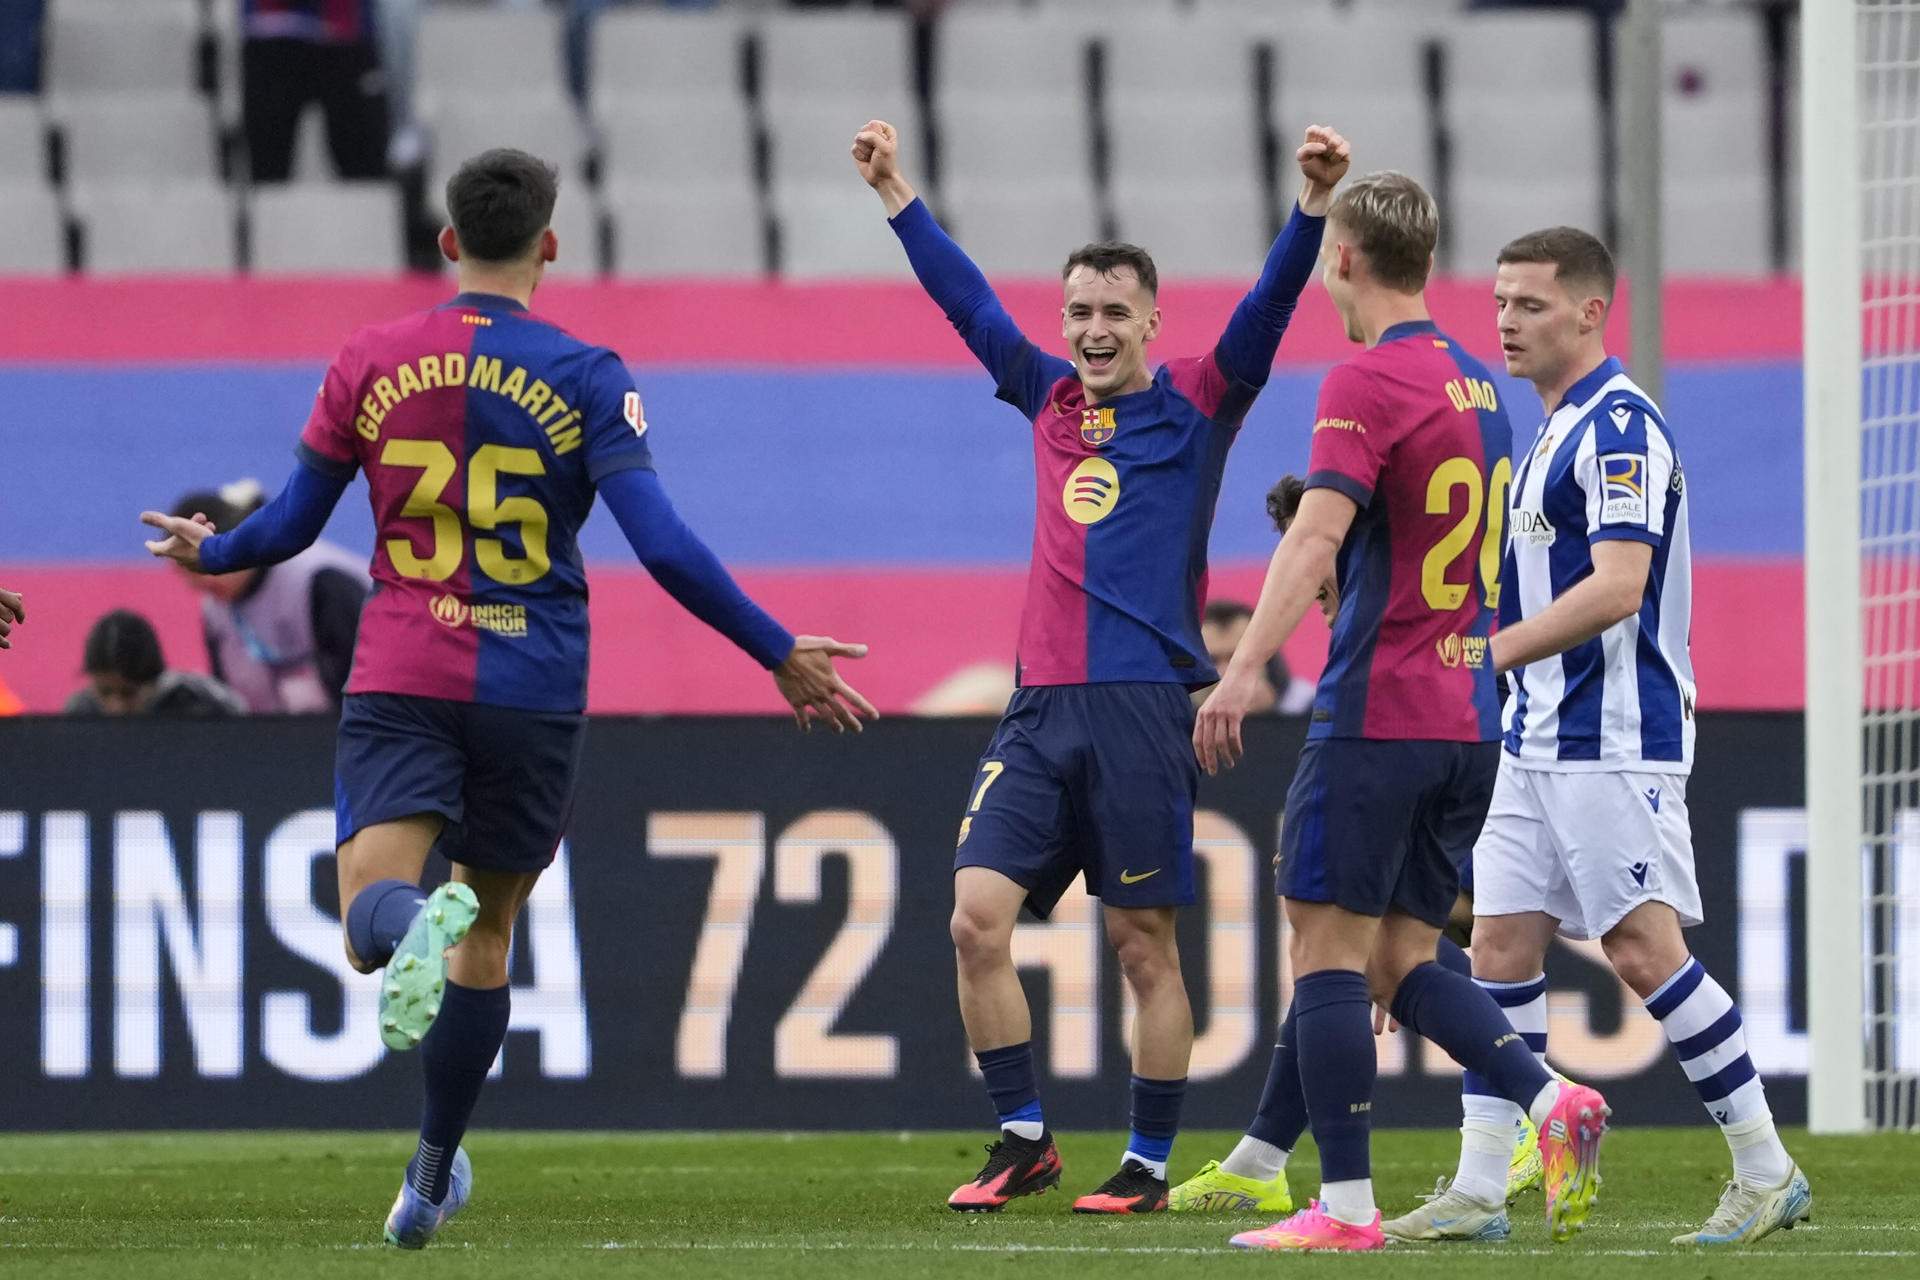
[[1091, 491]]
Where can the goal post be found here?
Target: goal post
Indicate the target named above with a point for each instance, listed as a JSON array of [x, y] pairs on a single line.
[[1831, 146]]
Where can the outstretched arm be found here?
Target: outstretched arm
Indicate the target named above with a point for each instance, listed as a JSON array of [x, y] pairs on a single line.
[[694, 576], [278, 531], [1301, 563], [950, 277], [1253, 334], [12, 611]]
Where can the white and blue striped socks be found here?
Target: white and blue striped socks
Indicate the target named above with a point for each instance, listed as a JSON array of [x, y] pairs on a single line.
[[1489, 1122], [1703, 1026]]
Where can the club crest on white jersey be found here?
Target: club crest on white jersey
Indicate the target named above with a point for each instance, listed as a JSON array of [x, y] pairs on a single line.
[[1602, 466]]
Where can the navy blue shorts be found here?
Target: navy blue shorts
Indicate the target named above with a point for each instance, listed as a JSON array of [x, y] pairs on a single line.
[[503, 778], [1088, 779], [1377, 826]]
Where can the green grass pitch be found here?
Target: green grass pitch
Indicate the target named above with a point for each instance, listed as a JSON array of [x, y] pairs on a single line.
[[156, 1206]]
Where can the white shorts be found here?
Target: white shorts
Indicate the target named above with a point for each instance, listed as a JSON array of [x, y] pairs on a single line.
[[1586, 848]]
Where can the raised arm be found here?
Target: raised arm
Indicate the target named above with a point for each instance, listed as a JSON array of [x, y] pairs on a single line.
[[278, 531], [950, 277], [1253, 334]]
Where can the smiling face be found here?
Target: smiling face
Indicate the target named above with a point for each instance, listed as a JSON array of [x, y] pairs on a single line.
[[1108, 318]]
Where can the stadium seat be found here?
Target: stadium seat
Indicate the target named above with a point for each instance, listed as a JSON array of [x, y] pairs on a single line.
[[577, 224], [36, 239], [808, 143], [347, 227], [23, 142], [1180, 59], [656, 55], [680, 229], [837, 231], [1545, 54], [1181, 141], [1714, 96], [128, 137], [1010, 55], [1021, 228], [652, 140], [158, 227], [1362, 75], [462, 128], [463, 52], [118, 46], [1486, 213], [995, 141], [1217, 231], [1536, 67], [850, 58]]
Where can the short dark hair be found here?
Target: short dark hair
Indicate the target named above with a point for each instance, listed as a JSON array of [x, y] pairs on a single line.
[[1219, 613], [1283, 500], [1579, 259], [224, 514], [123, 643], [1105, 256], [1396, 224], [500, 201]]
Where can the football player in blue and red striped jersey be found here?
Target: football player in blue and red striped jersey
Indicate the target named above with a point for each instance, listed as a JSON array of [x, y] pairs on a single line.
[[485, 434], [1090, 772]]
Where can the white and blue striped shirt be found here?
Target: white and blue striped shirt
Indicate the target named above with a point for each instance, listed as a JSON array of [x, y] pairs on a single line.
[[1603, 465]]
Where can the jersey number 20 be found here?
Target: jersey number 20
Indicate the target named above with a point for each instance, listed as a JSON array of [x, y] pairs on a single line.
[[485, 509], [1489, 497]]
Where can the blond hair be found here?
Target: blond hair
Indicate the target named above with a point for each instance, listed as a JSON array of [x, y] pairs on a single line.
[[1396, 225]]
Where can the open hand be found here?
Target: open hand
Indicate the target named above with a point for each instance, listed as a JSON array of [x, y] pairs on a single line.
[[1216, 729], [184, 536], [13, 611], [815, 690]]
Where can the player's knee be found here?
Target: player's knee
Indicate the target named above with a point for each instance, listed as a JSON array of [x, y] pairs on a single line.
[[977, 938], [1501, 956], [1148, 960], [1642, 961], [481, 958]]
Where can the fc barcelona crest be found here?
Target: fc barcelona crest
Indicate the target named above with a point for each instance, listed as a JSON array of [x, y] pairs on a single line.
[[1096, 425]]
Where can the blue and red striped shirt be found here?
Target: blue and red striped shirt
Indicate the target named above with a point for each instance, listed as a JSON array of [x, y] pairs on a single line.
[[1413, 432], [1124, 490]]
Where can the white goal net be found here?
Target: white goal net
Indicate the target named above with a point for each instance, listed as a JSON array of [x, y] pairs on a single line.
[[1860, 173]]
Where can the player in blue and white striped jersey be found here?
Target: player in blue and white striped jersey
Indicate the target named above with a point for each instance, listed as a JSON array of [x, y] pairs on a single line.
[[1588, 834]]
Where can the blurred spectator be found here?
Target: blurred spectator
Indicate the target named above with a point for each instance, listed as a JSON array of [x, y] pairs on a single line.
[[296, 52], [1222, 624], [982, 689], [20, 45], [281, 636], [127, 676], [13, 611]]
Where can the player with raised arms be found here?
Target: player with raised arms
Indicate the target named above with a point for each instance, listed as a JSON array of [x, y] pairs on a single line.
[[485, 433], [1588, 834], [1090, 772], [1404, 503]]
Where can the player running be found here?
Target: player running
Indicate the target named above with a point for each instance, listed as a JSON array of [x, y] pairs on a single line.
[[1089, 772], [1588, 832], [485, 433], [1404, 500]]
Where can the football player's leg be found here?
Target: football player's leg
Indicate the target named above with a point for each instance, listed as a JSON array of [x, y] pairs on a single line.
[[457, 1054], [398, 780], [1636, 873], [1014, 848]]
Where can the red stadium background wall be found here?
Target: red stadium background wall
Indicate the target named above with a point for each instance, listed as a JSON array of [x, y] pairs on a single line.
[[925, 617]]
